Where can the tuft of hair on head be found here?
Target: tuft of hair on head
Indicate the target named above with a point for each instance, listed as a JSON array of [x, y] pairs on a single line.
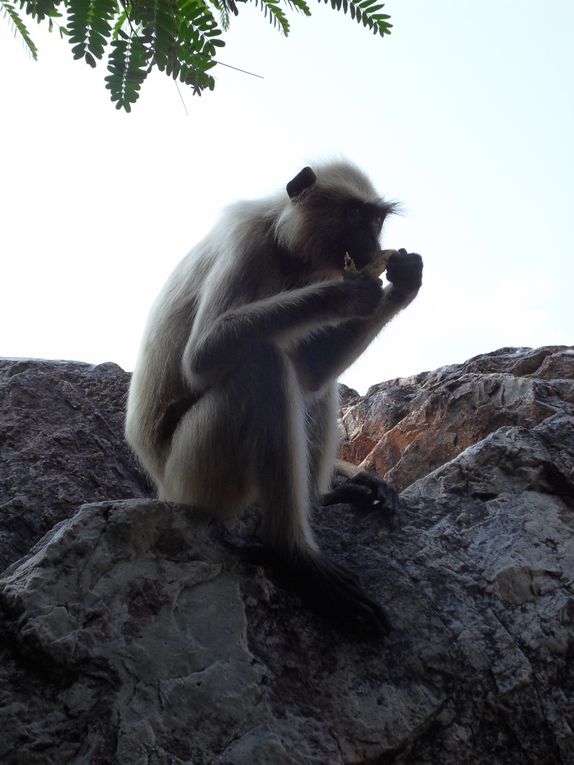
[[343, 176], [389, 206]]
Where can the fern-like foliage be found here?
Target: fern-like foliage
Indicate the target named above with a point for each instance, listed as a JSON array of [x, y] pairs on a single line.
[[11, 14], [90, 27], [199, 35], [299, 5], [127, 66], [178, 37], [366, 12], [225, 9], [272, 10], [41, 9]]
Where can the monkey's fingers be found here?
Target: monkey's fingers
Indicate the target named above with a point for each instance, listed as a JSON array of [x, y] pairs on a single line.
[[349, 493], [374, 267], [382, 495], [367, 491]]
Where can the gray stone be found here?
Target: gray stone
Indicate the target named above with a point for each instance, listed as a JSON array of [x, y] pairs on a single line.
[[404, 428], [133, 634], [61, 445]]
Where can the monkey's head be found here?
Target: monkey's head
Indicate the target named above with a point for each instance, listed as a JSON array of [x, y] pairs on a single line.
[[334, 210]]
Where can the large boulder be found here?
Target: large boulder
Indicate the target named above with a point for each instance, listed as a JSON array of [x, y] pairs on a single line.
[[406, 427], [61, 444], [132, 633]]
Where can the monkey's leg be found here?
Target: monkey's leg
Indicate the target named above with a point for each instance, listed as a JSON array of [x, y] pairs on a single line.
[[363, 489], [282, 457], [244, 440], [323, 441], [285, 497], [211, 461]]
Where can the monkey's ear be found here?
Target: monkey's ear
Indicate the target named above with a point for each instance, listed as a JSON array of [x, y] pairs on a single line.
[[301, 182]]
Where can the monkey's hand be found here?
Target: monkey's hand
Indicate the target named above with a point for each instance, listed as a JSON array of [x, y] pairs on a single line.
[[367, 491], [361, 296], [405, 272]]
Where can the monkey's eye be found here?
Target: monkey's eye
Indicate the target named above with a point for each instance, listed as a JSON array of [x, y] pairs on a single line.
[[378, 221], [354, 213]]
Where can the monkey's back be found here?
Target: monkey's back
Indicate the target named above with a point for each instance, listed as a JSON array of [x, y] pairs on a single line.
[[218, 273], [158, 379]]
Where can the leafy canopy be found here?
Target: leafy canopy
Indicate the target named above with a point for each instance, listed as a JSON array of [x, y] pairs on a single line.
[[179, 37]]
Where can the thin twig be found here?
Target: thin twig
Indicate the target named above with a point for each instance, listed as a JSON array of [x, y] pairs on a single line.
[[237, 69], [125, 7], [181, 98]]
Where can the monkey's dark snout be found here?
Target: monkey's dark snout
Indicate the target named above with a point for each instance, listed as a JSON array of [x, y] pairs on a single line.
[[360, 258]]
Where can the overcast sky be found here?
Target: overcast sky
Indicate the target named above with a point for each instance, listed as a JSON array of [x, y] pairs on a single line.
[[465, 114]]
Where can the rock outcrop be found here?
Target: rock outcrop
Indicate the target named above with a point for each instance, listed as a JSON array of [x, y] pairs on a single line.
[[406, 427], [132, 634], [61, 445]]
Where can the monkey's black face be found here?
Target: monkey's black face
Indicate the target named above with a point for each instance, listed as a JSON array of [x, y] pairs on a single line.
[[333, 224], [361, 228]]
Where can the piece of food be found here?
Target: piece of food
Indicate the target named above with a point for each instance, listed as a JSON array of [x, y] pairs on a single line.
[[374, 268]]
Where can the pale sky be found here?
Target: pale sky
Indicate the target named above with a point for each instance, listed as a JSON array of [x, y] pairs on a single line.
[[465, 114]]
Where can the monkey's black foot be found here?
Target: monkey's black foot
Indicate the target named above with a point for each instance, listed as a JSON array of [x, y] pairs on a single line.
[[255, 553], [335, 592], [367, 491], [248, 550]]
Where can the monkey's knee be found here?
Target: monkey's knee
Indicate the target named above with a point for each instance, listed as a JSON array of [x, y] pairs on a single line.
[[264, 380], [210, 462]]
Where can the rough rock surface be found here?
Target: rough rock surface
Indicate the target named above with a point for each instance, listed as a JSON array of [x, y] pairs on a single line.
[[130, 634], [61, 444], [403, 428]]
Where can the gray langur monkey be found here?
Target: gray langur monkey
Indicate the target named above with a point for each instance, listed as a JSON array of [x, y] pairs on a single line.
[[234, 395]]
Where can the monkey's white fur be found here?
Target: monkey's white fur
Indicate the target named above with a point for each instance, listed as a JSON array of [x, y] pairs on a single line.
[[240, 334]]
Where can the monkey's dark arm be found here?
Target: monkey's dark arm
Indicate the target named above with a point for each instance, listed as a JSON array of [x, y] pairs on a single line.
[[326, 354], [283, 318], [322, 356]]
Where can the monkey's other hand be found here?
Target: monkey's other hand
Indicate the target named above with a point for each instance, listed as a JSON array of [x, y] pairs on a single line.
[[367, 491], [405, 272], [363, 295], [335, 592]]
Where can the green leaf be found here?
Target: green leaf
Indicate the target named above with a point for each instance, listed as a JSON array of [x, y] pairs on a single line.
[[364, 12], [118, 24], [40, 9], [89, 26], [179, 37], [19, 27], [128, 68], [272, 11], [299, 5], [225, 8]]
